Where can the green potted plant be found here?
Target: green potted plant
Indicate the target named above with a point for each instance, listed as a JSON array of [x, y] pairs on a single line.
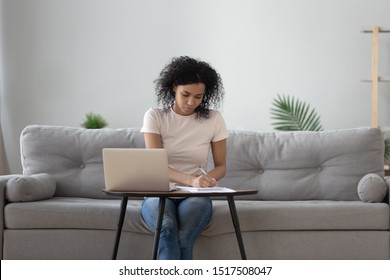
[[294, 115], [94, 121]]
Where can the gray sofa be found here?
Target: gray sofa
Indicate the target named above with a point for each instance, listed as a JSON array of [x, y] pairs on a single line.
[[321, 195]]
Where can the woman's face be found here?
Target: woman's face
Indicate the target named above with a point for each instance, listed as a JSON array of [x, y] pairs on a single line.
[[188, 98]]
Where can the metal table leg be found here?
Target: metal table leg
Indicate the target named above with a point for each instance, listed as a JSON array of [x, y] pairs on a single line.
[[236, 224], [120, 225]]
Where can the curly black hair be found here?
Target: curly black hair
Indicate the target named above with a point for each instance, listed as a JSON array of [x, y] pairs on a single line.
[[185, 70]]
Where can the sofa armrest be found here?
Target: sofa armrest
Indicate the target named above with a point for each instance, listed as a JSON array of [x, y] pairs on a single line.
[[19, 188], [3, 183], [24, 188]]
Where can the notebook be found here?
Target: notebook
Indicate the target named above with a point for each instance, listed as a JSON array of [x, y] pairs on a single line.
[[133, 170]]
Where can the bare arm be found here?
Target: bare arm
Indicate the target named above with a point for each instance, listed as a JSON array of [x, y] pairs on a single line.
[[219, 156], [153, 140]]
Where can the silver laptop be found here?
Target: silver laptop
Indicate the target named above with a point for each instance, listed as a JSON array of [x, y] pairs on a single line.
[[133, 170]]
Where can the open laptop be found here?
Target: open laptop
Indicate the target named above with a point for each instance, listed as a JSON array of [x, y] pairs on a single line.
[[130, 170]]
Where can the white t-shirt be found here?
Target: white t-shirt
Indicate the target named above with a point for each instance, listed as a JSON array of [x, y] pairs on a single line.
[[186, 138]]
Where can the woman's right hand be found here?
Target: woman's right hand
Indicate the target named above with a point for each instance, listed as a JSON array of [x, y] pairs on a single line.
[[203, 181]]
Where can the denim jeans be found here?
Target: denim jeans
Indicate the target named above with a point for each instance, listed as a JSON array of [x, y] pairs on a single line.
[[183, 222]]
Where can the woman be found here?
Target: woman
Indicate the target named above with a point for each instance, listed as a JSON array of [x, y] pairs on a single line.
[[187, 127]]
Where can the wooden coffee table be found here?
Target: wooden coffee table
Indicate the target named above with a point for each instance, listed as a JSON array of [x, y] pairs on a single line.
[[179, 193]]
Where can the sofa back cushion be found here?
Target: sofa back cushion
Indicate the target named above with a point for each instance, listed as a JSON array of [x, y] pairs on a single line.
[[326, 165], [73, 156]]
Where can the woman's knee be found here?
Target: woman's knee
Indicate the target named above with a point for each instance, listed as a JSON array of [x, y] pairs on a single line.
[[202, 204], [149, 210]]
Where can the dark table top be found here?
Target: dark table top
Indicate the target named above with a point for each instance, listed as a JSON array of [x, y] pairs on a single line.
[[181, 193]]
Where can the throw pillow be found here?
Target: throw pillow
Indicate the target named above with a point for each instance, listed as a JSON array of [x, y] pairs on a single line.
[[372, 188], [25, 188]]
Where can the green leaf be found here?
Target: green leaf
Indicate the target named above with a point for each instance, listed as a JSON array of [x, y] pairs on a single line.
[[387, 149], [292, 114]]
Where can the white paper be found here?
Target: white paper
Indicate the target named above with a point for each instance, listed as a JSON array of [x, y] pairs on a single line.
[[212, 189]]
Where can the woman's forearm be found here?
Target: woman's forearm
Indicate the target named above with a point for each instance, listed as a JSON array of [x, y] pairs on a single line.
[[180, 177], [218, 172], [193, 179]]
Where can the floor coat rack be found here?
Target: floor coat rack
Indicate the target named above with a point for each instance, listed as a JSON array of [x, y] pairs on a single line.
[[375, 78]]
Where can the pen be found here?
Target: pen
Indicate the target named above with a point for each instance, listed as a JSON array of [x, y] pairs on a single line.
[[203, 171]]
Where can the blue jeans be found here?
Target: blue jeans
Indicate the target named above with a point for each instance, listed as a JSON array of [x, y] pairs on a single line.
[[183, 222]]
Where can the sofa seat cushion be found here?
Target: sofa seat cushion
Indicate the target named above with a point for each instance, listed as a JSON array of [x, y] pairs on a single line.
[[73, 213], [83, 213], [301, 215]]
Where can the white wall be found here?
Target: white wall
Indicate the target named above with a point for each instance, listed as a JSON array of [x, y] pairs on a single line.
[[62, 59]]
